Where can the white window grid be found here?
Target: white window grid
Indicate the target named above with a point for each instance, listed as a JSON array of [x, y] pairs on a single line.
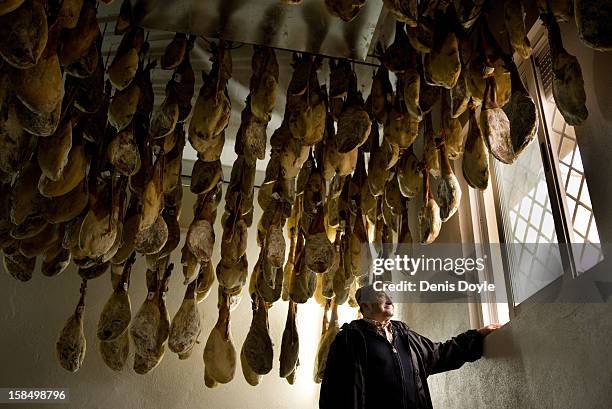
[[584, 236]]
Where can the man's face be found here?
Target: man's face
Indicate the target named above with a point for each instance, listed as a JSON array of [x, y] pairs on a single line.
[[382, 309]]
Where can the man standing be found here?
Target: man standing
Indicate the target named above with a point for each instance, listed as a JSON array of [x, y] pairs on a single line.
[[376, 362]]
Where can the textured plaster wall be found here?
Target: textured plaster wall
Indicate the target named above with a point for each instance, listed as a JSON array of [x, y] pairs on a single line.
[[556, 356]]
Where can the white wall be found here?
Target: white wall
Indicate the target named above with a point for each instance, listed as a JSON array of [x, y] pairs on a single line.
[[556, 356]]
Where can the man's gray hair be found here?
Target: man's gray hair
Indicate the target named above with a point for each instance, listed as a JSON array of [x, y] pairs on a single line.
[[368, 295]]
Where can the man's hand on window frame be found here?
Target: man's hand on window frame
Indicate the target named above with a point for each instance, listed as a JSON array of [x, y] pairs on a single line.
[[484, 331]]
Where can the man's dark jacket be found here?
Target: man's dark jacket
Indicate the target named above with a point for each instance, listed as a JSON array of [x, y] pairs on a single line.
[[343, 384]]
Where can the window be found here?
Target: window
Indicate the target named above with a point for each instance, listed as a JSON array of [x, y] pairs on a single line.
[[577, 201], [538, 208]]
